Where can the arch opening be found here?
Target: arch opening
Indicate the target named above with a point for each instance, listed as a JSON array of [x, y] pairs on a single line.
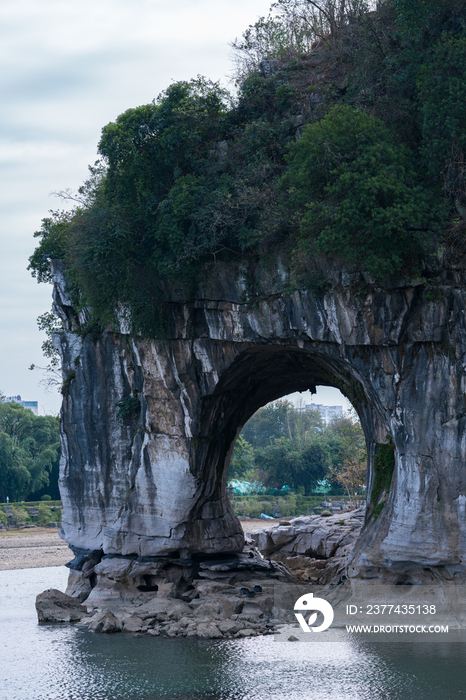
[[263, 374], [298, 450]]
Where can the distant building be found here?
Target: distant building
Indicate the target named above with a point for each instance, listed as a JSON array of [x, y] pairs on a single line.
[[327, 412], [32, 405]]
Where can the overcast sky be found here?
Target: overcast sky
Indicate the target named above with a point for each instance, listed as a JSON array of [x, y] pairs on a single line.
[[69, 68]]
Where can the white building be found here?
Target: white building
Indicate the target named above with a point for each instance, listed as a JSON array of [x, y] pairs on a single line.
[[32, 405], [327, 412]]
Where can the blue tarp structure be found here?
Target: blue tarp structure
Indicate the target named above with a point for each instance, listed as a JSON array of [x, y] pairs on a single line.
[[247, 487], [323, 486]]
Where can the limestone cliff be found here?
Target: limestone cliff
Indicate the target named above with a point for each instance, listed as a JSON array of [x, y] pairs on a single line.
[[151, 483]]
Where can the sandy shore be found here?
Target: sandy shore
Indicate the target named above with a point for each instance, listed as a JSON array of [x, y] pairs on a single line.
[[256, 524], [30, 549]]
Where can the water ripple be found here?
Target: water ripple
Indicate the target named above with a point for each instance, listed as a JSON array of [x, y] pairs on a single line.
[[53, 662]]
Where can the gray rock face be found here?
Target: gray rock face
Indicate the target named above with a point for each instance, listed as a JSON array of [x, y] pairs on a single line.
[[54, 606], [153, 483], [213, 610], [314, 548]]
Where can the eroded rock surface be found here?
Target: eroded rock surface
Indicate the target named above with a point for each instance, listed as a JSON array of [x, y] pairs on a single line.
[[314, 548], [54, 606], [150, 485], [237, 603], [227, 596]]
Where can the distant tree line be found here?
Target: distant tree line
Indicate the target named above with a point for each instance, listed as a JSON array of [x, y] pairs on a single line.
[[278, 446], [281, 445], [29, 454]]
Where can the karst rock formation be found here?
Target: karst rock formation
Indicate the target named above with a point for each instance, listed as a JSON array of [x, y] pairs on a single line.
[[147, 483]]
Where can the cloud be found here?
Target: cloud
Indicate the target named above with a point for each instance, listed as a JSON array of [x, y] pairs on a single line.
[[68, 68]]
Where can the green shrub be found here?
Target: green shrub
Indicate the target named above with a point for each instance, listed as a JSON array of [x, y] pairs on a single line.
[[356, 193], [196, 176], [20, 516], [384, 464], [65, 388], [128, 407], [53, 236], [46, 497], [47, 515], [290, 506], [442, 98]]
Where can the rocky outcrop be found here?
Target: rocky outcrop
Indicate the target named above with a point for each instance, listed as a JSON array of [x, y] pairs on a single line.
[[54, 606], [213, 610], [130, 579], [230, 596], [148, 426], [314, 548]]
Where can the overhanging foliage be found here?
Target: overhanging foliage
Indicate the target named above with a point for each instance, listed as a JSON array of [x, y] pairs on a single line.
[[374, 179]]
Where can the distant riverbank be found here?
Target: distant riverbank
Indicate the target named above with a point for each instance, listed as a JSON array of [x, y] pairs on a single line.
[[32, 548], [39, 547]]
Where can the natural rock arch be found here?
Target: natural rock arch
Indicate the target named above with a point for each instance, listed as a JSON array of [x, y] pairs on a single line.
[[263, 373], [154, 484]]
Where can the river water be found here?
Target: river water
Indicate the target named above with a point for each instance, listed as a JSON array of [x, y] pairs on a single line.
[[62, 662]]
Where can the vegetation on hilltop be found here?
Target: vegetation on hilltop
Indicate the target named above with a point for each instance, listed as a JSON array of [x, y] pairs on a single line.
[[345, 141]]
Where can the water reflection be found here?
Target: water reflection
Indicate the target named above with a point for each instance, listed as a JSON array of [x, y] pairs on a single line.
[[66, 663]]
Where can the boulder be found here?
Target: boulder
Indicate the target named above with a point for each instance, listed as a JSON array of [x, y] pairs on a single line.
[[209, 588], [314, 548], [163, 609], [220, 608], [134, 624], [104, 621], [251, 611], [208, 630], [54, 606], [228, 626]]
